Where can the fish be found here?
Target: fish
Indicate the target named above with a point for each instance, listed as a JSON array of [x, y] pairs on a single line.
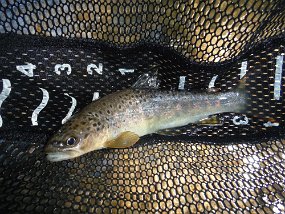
[[118, 120]]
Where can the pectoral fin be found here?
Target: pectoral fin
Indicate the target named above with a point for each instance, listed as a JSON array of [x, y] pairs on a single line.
[[124, 140]]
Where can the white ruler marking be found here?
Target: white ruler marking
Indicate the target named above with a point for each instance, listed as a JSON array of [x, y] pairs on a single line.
[[73, 105], [26, 69], [61, 67], [278, 77], [95, 96], [41, 106], [181, 82], [238, 121], [4, 94], [243, 69], [124, 71], [270, 124], [99, 69], [212, 82]]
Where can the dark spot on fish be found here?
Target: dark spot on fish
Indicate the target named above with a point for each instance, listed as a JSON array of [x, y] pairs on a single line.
[[104, 104], [94, 124], [120, 106], [108, 112], [83, 123], [97, 129], [111, 105], [99, 123], [100, 112], [96, 115], [86, 135]]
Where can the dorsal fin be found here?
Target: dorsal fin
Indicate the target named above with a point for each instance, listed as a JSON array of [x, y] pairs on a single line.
[[147, 80]]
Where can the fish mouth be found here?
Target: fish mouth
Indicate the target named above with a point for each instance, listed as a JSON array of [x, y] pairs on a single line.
[[60, 156], [55, 154]]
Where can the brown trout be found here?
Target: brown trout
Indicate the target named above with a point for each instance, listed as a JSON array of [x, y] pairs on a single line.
[[118, 120]]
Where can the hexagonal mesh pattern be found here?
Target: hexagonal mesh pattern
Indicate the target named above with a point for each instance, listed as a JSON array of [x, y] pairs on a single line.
[[26, 93], [157, 176], [56, 55], [211, 31]]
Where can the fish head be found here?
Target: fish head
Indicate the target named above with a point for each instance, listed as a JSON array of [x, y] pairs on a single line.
[[72, 140]]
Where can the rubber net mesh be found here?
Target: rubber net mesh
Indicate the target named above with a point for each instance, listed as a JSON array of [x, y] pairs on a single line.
[[58, 56]]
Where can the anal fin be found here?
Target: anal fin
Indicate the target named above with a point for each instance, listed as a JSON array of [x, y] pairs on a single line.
[[213, 120]]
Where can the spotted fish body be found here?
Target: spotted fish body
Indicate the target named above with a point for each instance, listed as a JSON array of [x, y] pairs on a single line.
[[119, 119]]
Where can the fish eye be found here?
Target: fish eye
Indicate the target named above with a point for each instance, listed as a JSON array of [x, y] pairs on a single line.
[[71, 141]]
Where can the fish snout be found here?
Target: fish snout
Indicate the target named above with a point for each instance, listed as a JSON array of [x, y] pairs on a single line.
[[50, 148]]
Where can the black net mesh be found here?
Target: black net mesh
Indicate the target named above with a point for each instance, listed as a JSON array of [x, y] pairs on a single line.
[[58, 56], [203, 32]]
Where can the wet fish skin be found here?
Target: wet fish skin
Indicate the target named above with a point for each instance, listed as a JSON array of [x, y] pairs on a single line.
[[137, 111]]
